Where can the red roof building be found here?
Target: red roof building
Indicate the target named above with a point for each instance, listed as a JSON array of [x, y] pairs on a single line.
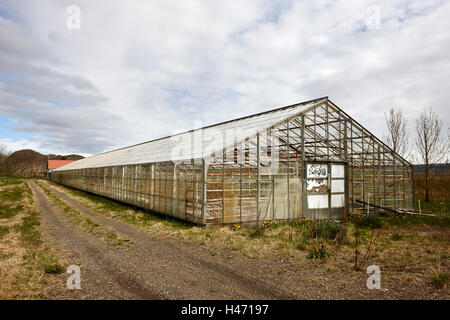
[[55, 164]]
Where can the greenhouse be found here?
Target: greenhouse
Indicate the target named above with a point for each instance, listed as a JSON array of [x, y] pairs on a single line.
[[308, 160]]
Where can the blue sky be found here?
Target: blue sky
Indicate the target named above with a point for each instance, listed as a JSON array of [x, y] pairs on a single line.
[[140, 70]]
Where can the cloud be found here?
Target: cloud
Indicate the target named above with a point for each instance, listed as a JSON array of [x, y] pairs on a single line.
[[147, 69]]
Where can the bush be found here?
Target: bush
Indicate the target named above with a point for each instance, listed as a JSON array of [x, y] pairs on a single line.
[[326, 229], [372, 220]]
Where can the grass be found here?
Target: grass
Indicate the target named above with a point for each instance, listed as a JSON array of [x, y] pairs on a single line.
[[7, 211], [397, 236], [29, 234], [404, 243], [26, 262], [5, 256], [44, 261], [326, 229], [257, 233], [126, 212], [439, 188], [88, 225], [440, 220], [318, 251], [4, 230], [10, 180], [12, 195], [372, 221], [301, 242], [439, 279]]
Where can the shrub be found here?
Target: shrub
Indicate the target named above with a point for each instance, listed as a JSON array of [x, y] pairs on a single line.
[[326, 229], [372, 220]]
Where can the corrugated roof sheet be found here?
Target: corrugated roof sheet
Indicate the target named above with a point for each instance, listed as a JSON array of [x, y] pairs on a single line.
[[205, 140]]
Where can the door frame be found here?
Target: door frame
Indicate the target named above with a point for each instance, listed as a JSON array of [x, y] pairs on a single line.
[[329, 164]]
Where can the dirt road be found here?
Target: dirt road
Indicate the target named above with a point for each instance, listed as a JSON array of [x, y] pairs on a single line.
[[149, 267]]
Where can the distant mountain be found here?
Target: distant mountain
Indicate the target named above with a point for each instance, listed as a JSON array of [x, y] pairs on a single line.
[[29, 163]]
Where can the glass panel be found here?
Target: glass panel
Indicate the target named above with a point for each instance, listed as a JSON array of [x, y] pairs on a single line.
[[337, 186], [318, 201], [337, 171], [337, 200]]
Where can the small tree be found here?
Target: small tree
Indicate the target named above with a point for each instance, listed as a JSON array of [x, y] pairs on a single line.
[[430, 144], [396, 137]]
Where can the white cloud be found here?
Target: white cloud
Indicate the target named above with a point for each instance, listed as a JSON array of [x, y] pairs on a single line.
[[145, 69]]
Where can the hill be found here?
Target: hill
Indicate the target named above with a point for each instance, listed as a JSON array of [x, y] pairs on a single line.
[[29, 163]]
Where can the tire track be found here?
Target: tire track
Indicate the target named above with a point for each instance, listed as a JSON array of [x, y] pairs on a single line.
[[175, 268], [91, 255]]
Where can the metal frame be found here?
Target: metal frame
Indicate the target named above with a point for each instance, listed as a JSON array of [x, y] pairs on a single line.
[[318, 133]]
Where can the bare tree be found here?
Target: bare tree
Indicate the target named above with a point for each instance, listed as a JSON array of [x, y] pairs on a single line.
[[396, 137], [430, 143]]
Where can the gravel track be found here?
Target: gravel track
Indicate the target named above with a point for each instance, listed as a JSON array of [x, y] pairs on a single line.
[[152, 267]]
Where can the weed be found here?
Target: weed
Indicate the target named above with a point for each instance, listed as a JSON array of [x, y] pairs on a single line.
[[257, 233], [301, 242], [372, 221], [54, 268], [397, 236], [326, 229], [439, 279], [318, 251], [90, 225]]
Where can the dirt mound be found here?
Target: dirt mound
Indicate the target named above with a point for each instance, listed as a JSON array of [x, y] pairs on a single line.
[[29, 163]]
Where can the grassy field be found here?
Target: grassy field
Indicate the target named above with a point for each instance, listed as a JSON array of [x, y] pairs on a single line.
[[27, 265], [439, 192]]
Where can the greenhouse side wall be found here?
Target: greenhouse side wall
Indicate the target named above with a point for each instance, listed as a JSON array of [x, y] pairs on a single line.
[[240, 191], [167, 188]]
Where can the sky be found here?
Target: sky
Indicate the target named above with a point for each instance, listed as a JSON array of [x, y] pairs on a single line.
[[91, 76]]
